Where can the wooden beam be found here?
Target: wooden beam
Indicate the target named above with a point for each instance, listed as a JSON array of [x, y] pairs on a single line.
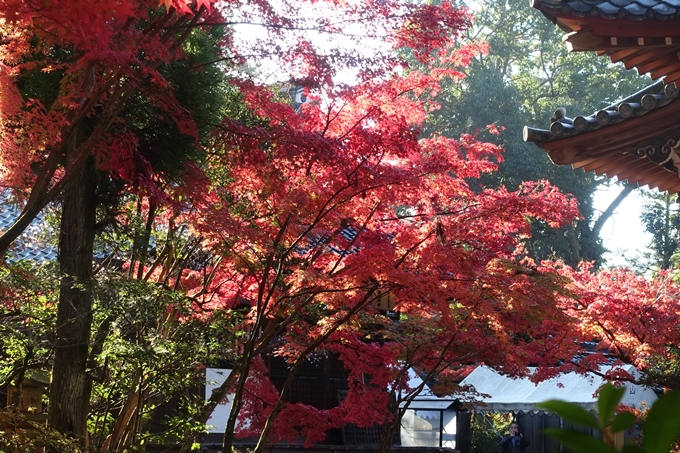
[[604, 165], [657, 176], [644, 56], [649, 28], [662, 60], [582, 163], [610, 146], [600, 166], [620, 54], [670, 184], [621, 172], [672, 77], [667, 69], [617, 167], [565, 156], [587, 41], [633, 173], [578, 41], [665, 183], [671, 180]]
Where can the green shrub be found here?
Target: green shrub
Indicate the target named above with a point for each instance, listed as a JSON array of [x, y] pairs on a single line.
[[660, 428]]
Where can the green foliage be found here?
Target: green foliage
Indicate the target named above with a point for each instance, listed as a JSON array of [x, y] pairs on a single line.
[[145, 341], [27, 320], [661, 218], [526, 75], [664, 369], [485, 429], [156, 348], [200, 87], [43, 84], [16, 439], [661, 426]]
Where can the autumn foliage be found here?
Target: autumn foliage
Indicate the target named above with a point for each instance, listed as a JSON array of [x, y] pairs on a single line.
[[325, 211], [632, 317], [307, 219]]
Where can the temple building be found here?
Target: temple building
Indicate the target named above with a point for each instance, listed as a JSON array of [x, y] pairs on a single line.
[[638, 138]]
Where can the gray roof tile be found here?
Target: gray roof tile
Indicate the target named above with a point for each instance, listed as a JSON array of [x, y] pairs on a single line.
[[578, 5], [608, 8], [621, 3], [636, 10], [647, 3], [613, 9], [33, 244], [664, 9], [652, 98]]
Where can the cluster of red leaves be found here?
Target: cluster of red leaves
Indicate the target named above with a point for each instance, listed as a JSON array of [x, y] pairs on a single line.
[[109, 51], [427, 28], [103, 51], [324, 207], [632, 316]]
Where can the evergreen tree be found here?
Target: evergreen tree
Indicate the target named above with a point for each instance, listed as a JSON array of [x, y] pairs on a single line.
[[525, 76], [660, 217]]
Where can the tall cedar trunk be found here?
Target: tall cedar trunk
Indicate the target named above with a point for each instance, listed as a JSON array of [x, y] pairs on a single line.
[[70, 388]]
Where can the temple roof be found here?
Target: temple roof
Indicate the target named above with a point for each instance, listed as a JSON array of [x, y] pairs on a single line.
[[641, 34], [612, 9], [33, 244], [636, 139]]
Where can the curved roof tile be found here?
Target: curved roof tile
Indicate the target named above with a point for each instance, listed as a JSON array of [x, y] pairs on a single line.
[[652, 98], [609, 8], [664, 9], [578, 5], [612, 9], [636, 10], [621, 3]]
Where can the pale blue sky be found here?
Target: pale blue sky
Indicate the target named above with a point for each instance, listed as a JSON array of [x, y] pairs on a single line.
[[623, 233]]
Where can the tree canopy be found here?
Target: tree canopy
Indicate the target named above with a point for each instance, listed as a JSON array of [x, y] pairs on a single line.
[[203, 220], [524, 77]]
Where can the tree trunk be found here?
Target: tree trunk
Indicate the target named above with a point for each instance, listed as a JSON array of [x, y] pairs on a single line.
[[389, 427], [280, 404], [71, 387], [237, 402], [573, 244]]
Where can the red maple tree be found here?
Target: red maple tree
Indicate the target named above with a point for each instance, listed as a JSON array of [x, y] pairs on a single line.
[[324, 211], [633, 318]]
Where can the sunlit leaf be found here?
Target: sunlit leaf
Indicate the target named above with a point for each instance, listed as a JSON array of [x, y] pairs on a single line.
[[608, 401]]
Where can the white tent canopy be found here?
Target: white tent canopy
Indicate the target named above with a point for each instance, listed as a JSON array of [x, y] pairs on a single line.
[[516, 395]]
